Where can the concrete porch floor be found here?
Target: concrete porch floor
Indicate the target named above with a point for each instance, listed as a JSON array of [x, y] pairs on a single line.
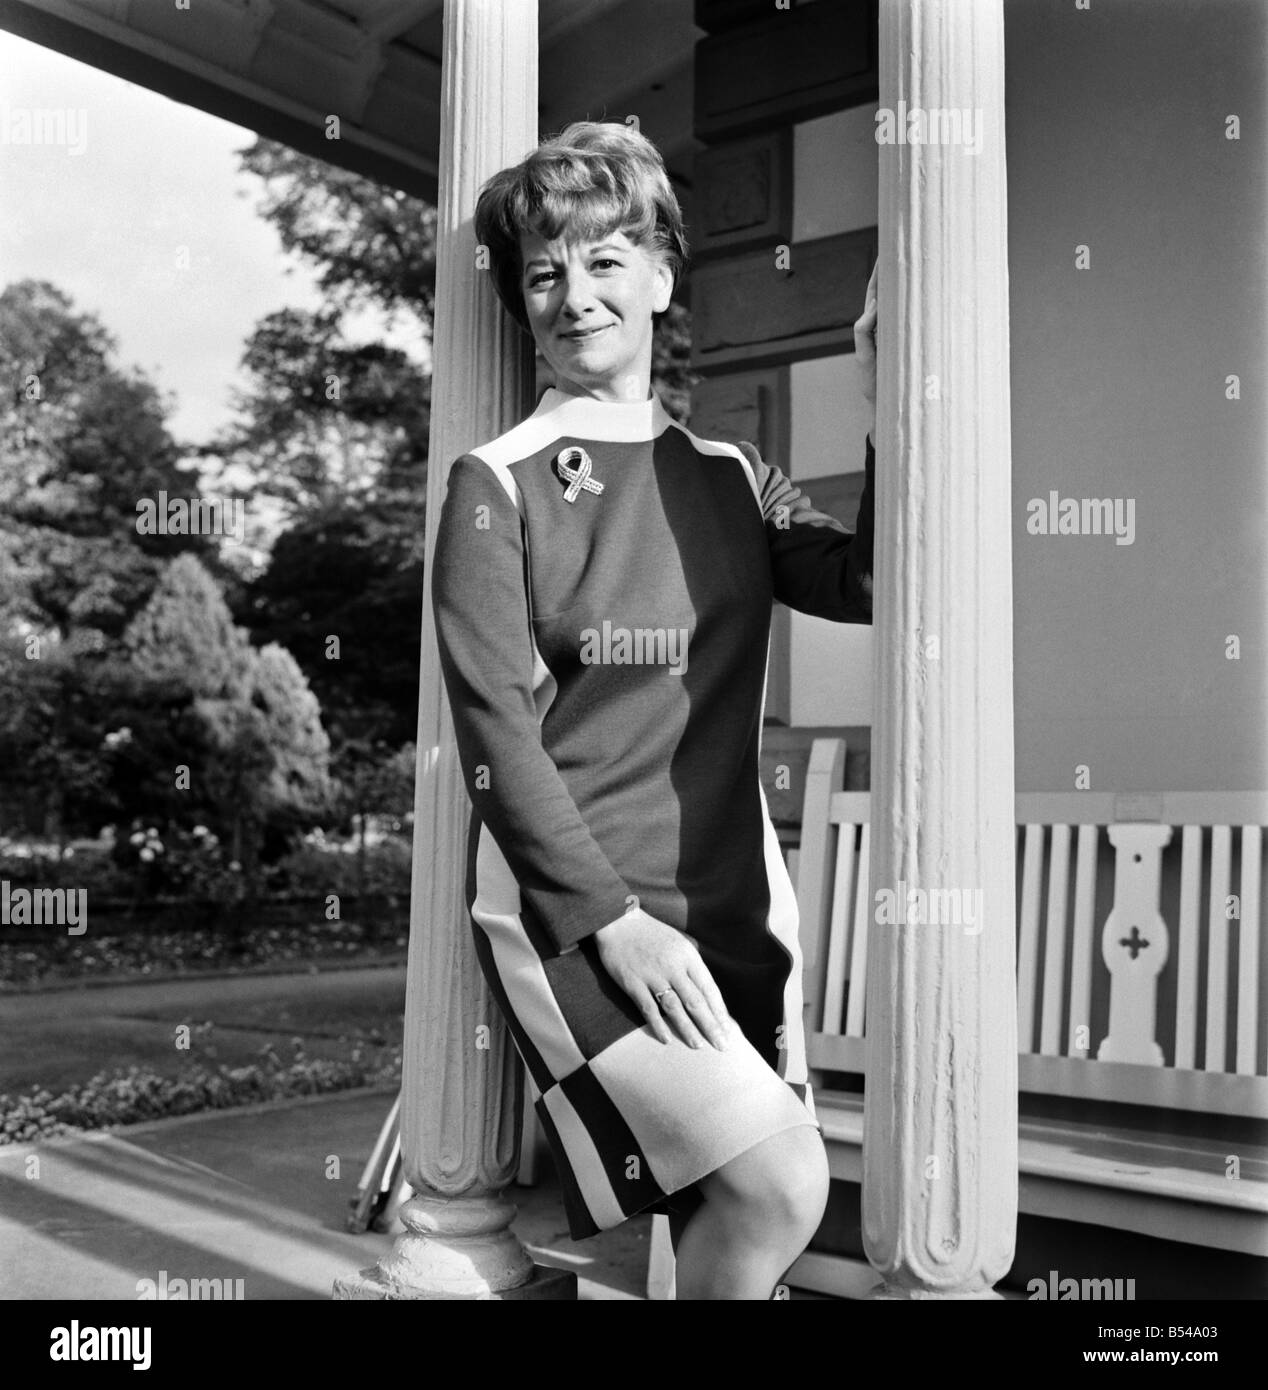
[[240, 1194]]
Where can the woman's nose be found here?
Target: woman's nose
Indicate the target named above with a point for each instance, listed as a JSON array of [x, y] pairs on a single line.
[[579, 294]]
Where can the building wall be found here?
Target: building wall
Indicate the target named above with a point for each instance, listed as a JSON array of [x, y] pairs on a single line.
[[1116, 131], [1116, 141]]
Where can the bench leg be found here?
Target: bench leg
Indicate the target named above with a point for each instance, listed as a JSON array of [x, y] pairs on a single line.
[[660, 1262], [530, 1138]]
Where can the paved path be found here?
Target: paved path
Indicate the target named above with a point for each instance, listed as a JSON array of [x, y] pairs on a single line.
[[243, 1194]]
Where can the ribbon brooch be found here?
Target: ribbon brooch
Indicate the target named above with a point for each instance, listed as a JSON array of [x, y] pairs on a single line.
[[575, 467]]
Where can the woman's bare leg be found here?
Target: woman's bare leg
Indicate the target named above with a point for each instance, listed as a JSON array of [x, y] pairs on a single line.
[[759, 1213]]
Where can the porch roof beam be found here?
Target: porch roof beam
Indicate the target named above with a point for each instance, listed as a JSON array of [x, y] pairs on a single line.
[[114, 47]]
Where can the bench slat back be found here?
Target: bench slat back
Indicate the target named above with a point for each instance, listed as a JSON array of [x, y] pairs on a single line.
[[1127, 988]]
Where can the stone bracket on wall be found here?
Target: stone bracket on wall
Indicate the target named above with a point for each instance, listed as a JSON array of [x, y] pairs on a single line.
[[781, 304]]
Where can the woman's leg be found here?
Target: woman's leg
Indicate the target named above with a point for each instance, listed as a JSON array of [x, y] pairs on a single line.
[[759, 1213]]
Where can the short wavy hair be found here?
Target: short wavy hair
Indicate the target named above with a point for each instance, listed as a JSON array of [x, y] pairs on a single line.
[[592, 179]]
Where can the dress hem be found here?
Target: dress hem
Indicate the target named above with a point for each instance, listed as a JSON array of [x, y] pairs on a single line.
[[730, 1153]]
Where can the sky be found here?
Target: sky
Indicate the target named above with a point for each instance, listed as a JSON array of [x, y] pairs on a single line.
[[143, 218]]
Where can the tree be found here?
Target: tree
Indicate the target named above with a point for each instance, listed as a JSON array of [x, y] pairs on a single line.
[[373, 779], [53, 703], [299, 784], [336, 431], [370, 243], [343, 593], [255, 750], [81, 442], [327, 422], [186, 633]]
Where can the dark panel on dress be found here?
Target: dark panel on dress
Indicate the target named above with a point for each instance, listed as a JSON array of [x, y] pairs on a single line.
[[755, 406]]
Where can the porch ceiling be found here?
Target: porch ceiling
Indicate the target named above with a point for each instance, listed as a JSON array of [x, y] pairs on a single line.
[[281, 67]]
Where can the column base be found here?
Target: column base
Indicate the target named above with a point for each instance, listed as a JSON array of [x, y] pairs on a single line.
[[892, 1293], [545, 1283]]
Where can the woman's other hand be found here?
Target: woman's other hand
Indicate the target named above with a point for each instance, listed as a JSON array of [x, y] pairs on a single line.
[[865, 347], [648, 957]]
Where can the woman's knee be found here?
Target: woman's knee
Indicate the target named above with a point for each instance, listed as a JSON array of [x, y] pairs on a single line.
[[806, 1180], [781, 1183]]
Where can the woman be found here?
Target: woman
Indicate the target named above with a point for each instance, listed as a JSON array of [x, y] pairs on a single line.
[[602, 588]]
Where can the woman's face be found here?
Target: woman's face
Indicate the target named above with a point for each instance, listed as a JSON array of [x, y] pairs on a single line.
[[590, 307]]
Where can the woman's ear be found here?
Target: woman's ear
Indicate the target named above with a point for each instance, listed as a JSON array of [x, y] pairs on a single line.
[[664, 288]]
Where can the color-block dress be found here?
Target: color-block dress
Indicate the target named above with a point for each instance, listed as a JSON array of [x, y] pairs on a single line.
[[603, 627]]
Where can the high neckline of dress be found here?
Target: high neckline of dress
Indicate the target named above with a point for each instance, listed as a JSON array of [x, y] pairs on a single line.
[[618, 422]]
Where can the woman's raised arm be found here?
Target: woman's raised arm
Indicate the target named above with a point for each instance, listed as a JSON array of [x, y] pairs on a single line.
[[817, 566]]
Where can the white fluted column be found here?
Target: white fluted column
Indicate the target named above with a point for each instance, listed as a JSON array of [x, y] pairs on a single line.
[[461, 1085], [940, 1152]]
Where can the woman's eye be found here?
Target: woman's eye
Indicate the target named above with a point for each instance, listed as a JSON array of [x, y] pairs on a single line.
[[539, 277]]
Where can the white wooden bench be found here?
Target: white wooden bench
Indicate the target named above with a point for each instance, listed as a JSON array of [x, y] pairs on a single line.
[[1140, 929]]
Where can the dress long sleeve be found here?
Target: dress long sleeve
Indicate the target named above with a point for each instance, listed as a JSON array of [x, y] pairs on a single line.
[[484, 634], [818, 567]]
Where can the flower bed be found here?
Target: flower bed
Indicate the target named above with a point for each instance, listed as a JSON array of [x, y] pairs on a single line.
[[137, 1094]]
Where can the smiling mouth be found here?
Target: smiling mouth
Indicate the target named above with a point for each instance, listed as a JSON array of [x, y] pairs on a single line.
[[581, 337]]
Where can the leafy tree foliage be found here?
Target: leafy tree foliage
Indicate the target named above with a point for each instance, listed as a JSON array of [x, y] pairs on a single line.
[[186, 633], [369, 243], [326, 422], [255, 747], [56, 701], [81, 442], [335, 431], [342, 593], [298, 785]]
